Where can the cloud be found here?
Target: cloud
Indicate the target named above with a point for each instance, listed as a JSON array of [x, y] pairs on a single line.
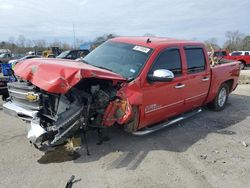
[[6, 6], [83, 2], [187, 19]]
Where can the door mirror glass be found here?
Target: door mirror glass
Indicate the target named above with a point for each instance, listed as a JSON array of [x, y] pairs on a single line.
[[161, 75]]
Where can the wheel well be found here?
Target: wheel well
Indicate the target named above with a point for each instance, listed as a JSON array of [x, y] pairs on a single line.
[[230, 84], [243, 61]]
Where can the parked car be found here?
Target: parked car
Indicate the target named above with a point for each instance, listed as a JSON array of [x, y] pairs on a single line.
[[5, 57], [242, 56], [13, 62], [73, 54], [51, 52], [5, 51], [143, 84]]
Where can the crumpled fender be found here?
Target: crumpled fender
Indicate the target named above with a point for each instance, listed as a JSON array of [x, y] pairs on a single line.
[[120, 110], [58, 75]]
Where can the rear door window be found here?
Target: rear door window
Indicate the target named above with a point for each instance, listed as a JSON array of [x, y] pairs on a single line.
[[246, 53], [196, 61]]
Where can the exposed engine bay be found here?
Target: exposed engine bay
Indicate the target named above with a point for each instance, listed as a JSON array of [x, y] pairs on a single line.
[[54, 118]]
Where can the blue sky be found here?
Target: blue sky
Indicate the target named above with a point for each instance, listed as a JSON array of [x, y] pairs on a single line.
[[184, 19]]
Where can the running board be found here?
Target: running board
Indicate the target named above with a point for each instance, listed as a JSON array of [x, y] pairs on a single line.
[[149, 130]]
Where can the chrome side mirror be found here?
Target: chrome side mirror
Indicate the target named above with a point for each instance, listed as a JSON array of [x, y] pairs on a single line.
[[161, 75]]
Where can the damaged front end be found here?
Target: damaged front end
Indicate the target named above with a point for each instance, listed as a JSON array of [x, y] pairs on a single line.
[[53, 118]]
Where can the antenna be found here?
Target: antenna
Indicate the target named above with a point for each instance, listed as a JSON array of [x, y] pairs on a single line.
[[148, 40]]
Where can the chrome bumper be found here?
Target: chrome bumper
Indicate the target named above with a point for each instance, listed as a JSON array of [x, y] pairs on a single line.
[[35, 130], [20, 112]]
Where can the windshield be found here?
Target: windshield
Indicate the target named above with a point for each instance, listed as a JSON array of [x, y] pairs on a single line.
[[236, 53], [122, 58], [63, 54], [220, 54]]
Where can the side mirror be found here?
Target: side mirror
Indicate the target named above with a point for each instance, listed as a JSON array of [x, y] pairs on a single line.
[[161, 75]]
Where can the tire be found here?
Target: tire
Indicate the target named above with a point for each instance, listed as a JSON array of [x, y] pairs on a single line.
[[4, 97], [220, 101], [242, 65]]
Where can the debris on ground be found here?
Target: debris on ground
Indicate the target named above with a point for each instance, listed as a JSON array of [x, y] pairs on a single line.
[[71, 181], [202, 156], [244, 143]]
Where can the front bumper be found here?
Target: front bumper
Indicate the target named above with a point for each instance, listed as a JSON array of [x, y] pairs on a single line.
[[20, 112], [35, 130]]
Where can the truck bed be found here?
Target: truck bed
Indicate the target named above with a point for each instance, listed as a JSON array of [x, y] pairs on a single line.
[[220, 74]]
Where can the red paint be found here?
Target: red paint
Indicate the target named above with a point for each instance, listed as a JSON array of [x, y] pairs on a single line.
[[58, 76], [156, 101], [242, 58]]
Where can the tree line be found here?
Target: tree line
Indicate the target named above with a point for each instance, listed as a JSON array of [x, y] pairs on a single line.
[[235, 40]]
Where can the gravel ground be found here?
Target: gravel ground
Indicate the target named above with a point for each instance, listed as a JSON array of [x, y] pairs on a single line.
[[203, 151], [245, 76]]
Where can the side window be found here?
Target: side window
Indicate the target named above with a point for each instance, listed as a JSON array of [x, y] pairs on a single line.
[[170, 60], [195, 60], [72, 55], [246, 53]]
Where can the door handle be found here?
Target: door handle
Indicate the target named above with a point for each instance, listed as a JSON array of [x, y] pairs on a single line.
[[179, 86], [205, 79]]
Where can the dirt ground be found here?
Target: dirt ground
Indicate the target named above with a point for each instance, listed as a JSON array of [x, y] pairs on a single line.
[[203, 151]]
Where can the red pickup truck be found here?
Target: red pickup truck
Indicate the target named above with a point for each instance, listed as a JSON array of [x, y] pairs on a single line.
[[142, 84], [221, 53], [242, 56]]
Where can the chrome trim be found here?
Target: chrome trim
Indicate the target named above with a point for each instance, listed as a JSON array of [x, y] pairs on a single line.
[[35, 131], [205, 79], [180, 86], [17, 92], [195, 96], [146, 130], [17, 111], [164, 107]]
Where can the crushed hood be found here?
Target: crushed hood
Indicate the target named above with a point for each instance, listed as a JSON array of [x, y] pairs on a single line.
[[58, 75]]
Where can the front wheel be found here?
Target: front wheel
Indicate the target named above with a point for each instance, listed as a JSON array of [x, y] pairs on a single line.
[[219, 103]]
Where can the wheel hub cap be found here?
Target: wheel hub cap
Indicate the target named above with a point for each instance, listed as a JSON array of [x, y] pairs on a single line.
[[222, 97]]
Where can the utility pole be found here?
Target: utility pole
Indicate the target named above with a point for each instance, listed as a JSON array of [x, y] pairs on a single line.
[[74, 34]]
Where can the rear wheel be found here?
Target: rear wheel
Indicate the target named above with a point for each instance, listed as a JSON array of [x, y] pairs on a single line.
[[220, 100]]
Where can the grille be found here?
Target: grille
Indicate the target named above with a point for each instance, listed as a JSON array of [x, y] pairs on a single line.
[[19, 91]]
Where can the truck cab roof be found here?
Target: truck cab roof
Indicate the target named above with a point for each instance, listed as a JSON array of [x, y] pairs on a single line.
[[155, 42]]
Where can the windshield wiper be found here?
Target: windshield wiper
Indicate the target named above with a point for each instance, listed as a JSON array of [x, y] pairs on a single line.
[[129, 79], [104, 68], [82, 60]]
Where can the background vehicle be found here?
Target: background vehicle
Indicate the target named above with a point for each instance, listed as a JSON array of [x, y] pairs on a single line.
[[221, 53], [15, 61], [52, 52], [143, 84], [5, 57], [5, 51], [242, 56], [73, 54]]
